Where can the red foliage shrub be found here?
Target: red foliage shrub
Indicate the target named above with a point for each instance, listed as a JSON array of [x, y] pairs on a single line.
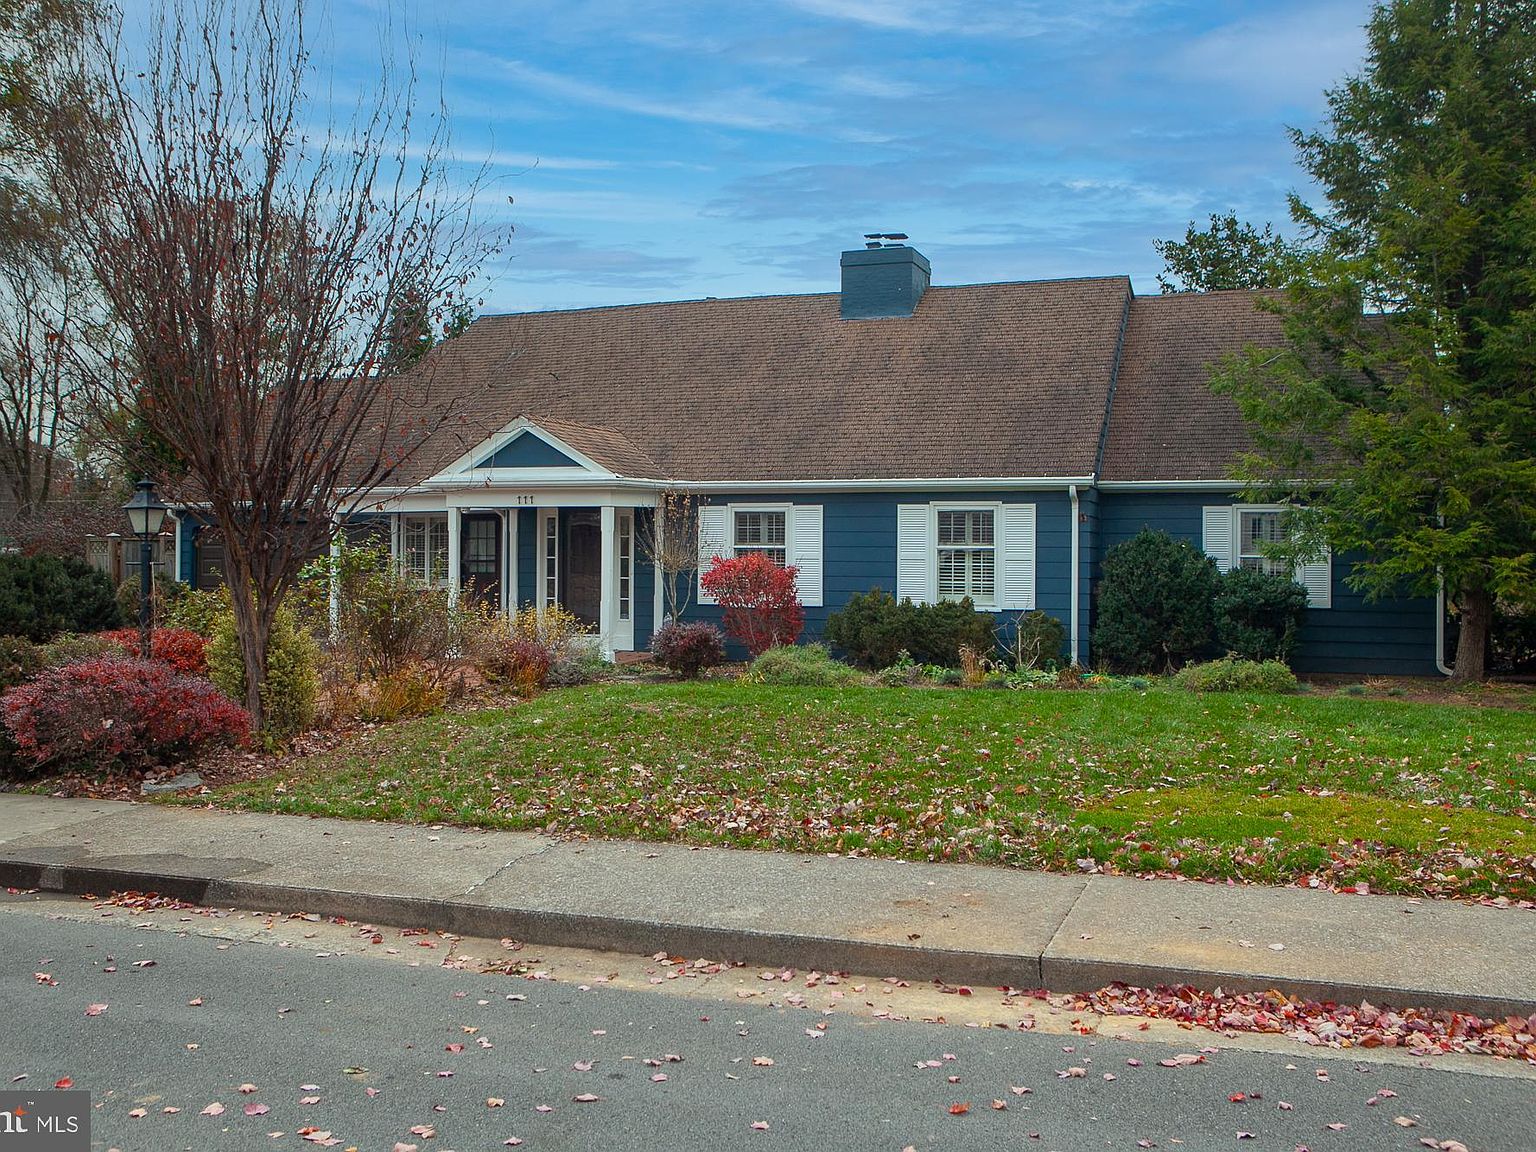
[[527, 665], [761, 607], [687, 649], [111, 709], [183, 649]]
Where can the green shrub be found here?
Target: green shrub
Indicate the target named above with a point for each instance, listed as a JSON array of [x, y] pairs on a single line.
[[1258, 614], [72, 649], [196, 610], [1234, 674], [809, 664], [42, 596], [874, 628], [20, 660], [1155, 603], [288, 697], [1034, 641]]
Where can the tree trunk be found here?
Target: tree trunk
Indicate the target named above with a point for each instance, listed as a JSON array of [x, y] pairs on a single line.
[[1476, 606], [253, 626]]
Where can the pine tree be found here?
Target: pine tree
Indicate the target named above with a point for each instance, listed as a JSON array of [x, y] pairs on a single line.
[[1403, 411]]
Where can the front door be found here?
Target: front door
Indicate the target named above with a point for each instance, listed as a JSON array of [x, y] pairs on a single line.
[[480, 559], [583, 565]]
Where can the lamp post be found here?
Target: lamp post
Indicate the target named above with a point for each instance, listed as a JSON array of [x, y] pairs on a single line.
[[147, 514]]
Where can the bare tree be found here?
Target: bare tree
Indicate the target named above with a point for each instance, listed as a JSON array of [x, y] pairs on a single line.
[[252, 258], [49, 311], [669, 539]]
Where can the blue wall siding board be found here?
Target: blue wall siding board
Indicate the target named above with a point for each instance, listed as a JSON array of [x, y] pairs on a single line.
[[643, 594], [527, 451], [526, 560], [1390, 637], [859, 546], [186, 558]]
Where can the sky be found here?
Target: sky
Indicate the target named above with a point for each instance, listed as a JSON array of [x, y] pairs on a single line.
[[659, 150]]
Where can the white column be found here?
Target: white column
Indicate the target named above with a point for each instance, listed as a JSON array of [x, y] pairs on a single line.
[[659, 598], [453, 555], [334, 590], [608, 616]]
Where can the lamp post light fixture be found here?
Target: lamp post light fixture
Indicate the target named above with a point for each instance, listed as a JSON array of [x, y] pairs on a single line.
[[146, 513]]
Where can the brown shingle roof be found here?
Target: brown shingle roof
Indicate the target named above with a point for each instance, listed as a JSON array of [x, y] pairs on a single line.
[[986, 380], [1166, 423], [612, 450]]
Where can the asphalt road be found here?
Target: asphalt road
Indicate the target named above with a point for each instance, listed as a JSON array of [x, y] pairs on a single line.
[[367, 1039]]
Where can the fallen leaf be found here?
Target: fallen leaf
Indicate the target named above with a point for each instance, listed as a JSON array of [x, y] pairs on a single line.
[[494, 1102], [959, 1109], [1405, 1122], [1336, 1126], [254, 1109], [762, 1061], [214, 1109], [246, 1089], [586, 1098], [139, 1113], [95, 1009], [425, 1131], [759, 1125]]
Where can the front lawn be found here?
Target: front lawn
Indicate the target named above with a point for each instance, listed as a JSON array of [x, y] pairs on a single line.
[[1396, 795]]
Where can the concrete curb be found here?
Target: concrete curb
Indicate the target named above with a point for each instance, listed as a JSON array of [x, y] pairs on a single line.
[[962, 924]]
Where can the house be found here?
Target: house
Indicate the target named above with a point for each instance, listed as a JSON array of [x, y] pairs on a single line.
[[990, 440]]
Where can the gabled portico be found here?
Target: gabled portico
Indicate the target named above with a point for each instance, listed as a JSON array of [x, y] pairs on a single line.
[[532, 518]]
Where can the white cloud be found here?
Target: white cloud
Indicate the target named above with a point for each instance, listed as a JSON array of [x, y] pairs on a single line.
[[1288, 58]]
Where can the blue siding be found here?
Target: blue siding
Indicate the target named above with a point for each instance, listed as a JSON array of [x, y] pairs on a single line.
[[643, 594], [186, 558], [528, 451], [1391, 637], [526, 560], [859, 546]]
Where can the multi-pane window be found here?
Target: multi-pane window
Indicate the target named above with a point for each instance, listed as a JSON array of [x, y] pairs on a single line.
[[1256, 530], [967, 555], [424, 548], [762, 531], [626, 563], [551, 560]]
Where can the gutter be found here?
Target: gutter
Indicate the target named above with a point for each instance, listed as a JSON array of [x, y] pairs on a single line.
[[1076, 569]]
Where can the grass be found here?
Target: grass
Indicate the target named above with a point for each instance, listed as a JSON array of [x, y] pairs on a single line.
[[1401, 796]]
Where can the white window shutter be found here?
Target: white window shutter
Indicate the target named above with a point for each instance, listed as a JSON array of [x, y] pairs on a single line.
[[914, 554], [714, 540], [806, 552], [1018, 557], [1316, 576], [1219, 534]]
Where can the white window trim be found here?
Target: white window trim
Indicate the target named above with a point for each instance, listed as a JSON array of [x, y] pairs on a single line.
[[786, 510], [993, 506], [1235, 549], [402, 551]]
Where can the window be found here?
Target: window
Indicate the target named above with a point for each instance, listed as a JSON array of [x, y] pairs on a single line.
[[967, 555], [626, 563], [424, 548], [551, 559], [1255, 530], [762, 530]]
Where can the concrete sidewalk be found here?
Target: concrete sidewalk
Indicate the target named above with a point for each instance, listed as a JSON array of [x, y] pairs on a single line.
[[964, 924]]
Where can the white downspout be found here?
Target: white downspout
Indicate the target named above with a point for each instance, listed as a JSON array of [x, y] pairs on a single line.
[[1440, 629], [1076, 551]]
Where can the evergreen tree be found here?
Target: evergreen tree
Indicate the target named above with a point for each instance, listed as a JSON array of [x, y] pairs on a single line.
[[1228, 254], [1402, 414]]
